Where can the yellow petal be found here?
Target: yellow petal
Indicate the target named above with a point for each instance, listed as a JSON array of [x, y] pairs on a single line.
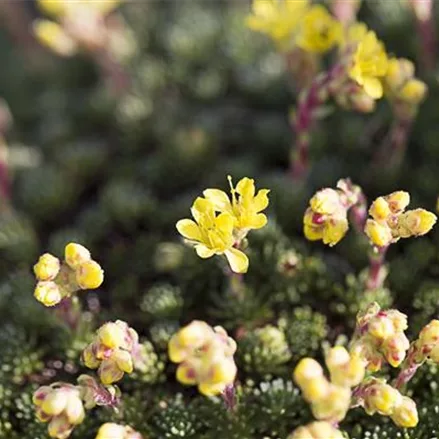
[[189, 229], [261, 201], [53, 36], [219, 199], [203, 251], [224, 223], [373, 87], [312, 233], [209, 389], [203, 212], [186, 374], [55, 8], [258, 221], [246, 188], [237, 259]]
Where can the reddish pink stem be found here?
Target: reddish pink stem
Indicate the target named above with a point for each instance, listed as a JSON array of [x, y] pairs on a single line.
[[113, 72], [309, 102], [376, 273]]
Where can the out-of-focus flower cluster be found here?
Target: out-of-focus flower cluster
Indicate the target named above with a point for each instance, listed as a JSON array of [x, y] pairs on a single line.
[[317, 430], [205, 355], [376, 396], [116, 431], [221, 224], [326, 218], [379, 337], [79, 25], [57, 280], [330, 399], [112, 351], [390, 222], [61, 406]]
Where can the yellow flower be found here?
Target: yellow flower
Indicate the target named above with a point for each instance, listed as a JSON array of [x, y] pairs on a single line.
[[52, 35], [116, 431], [370, 65], [212, 234], [346, 370], [47, 267], [430, 333], [245, 208], [278, 19], [379, 234], [381, 398], [354, 34], [319, 31], [415, 222]]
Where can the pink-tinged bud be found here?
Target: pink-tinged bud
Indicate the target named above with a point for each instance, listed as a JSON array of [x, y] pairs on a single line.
[[76, 254], [48, 293], [47, 267]]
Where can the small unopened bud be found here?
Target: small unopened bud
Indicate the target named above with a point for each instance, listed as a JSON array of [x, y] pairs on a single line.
[[76, 254], [48, 293], [47, 267], [380, 234], [405, 413], [89, 275]]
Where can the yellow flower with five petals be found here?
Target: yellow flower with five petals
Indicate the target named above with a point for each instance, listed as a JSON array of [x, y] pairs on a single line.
[[370, 64], [212, 234]]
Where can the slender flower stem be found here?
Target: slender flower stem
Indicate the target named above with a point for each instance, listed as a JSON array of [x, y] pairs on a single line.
[[309, 102], [392, 151], [377, 272]]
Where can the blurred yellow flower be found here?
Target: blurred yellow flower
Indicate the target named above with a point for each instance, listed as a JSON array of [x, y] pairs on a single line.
[[319, 31], [277, 18], [370, 65]]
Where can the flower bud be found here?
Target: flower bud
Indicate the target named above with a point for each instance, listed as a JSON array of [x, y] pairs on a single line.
[[381, 398], [405, 413], [380, 327], [416, 222], [111, 335], [317, 430], [334, 405], [47, 267], [398, 201], [414, 91], [308, 369], [48, 293], [430, 333], [380, 234], [76, 254], [89, 275], [380, 209], [325, 201]]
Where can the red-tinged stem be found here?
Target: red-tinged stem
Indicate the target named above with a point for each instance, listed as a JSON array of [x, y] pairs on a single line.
[[345, 10], [5, 189], [392, 151], [376, 274], [309, 102]]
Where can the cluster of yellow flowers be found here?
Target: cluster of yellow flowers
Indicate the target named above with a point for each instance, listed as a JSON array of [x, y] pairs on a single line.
[[81, 25], [112, 351], [57, 280], [379, 336], [403, 90], [295, 23], [116, 431], [221, 224], [389, 222], [317, 430], [379, 397], [330, 400], [205, 355], [60, 405], [326, 217], [311, 28]]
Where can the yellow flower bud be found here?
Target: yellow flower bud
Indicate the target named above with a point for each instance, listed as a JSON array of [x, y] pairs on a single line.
[[48, 293], [317, 430], [313, 233], [55, 402], [380, 327], [111, 431], [414, 91], [209, 389], [123, 360], [416, 222], [398, 201], [346, 370], [434, 354], [89, 275], [187, 374], [111, 335], [405, 413], [381, 398], [315, 389], [379, 234], [223, 371], [395, 349], [334, 405], [380, 209], [47, 267], [89, 358], [109, 372], [430, 333], [76, 254], [308, 369]]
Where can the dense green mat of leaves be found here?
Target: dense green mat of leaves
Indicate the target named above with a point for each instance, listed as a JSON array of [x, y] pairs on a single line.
[[209, 98]]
